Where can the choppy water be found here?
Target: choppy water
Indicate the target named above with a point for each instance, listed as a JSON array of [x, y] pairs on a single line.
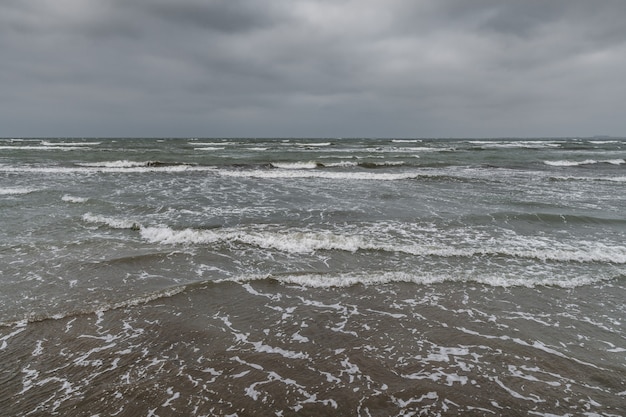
[[199, 277]]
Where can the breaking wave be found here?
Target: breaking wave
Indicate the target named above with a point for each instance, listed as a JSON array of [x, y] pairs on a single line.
[[72, 199], [310, 173], [132, 164], [47, 143], [340, 164], [566, 163], [112, 222], [343, 280], [303, 242], [16, 190]]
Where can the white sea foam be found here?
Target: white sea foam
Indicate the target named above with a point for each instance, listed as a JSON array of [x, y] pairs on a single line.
[[566, 163], [375, 278], [603, 142], [450, 378], [72, 199], [421, 149], [469, 243], [43, 148], [108, 167], [320, 144], [16, 190], [287, 174], [384, 163], [341, 164], [295, 242], [47, 143], [209, 144], [529, 144], [114, 164], [113, 222], [573, 178], [295, 165]]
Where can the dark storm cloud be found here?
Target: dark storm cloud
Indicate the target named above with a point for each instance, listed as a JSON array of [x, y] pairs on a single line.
[[228, 16], [312, 68]]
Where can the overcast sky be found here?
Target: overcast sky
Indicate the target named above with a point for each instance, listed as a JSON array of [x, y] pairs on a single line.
[[312, 68]]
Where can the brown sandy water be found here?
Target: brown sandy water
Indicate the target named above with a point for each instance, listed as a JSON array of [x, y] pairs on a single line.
[[270, 348]]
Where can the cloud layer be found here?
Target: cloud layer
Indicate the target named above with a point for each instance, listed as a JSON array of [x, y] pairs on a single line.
[[316, 68]]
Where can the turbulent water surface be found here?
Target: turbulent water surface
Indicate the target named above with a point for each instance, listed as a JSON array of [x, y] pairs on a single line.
[[366, 277]]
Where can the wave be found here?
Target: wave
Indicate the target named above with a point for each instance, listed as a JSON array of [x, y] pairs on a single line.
[[71, 199], [16, 190], [210, 144], [311, 280], [296, 165], [565, 163], [381, 164], [295, 242], [604, 142], [303, 242], [373, 278], [315, 280], [47, 143], [525, 144], [309, 173], [313, 144], [42, 148], [110, 167], [97, 309], [407, 149], [131, 164], [113, 164], [340, 164], [284, 170], [601, 179], [550, 218], [112, 222]]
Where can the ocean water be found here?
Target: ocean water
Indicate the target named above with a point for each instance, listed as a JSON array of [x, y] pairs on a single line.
[[279, 277]]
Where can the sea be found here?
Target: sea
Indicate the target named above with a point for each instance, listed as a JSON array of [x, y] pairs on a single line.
[[160, 277]]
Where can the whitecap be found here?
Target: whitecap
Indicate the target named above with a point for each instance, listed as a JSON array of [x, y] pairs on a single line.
[[292, 174], [320, 144], [43, 148], [459, 243], [295, 165], [294, 242], [47, 143], [71, 199], [113, 222], [114, 164], [341, 164], [16, 190], [566, 163]]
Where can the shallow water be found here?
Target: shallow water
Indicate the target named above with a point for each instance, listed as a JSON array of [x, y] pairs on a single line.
[[312, 277]]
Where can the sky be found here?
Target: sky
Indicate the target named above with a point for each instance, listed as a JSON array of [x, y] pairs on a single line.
[[312, 68]]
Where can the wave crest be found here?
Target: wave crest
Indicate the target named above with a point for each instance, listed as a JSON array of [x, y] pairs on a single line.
[[566, 163], [472, 245]]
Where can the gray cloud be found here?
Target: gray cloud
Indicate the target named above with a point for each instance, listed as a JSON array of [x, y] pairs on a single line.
[[312, 68], [235, 16]]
